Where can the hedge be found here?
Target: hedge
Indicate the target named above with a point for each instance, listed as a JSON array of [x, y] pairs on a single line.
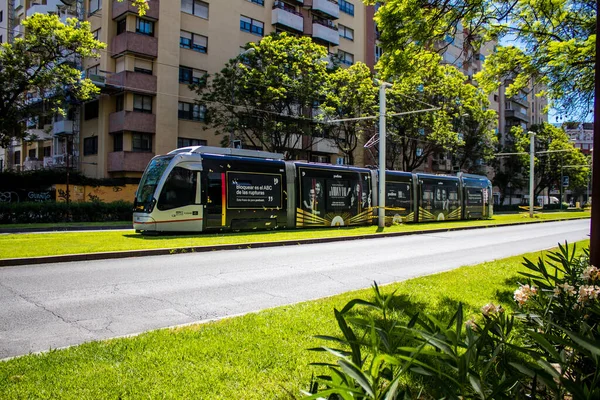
[[44, 178], [44, 212]]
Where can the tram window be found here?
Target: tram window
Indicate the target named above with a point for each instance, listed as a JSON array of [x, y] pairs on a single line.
[[179, 189], [474, 197]]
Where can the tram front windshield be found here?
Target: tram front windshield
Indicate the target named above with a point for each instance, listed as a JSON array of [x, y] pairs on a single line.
[[145, 193]]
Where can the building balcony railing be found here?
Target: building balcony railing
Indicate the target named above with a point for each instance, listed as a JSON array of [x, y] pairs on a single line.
[[132, 121], [32, 165], [18, 31], [131, 80], [326, 32], [64, 127], [19, 4], [50, 6], [121, 7], [329, 8], [287, 17], [131, 42], [322, 145], [521, 100], [60, 160], [517, 115], [128, 161]]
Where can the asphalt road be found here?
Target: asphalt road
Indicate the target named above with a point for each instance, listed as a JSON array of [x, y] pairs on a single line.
[[56, 305]]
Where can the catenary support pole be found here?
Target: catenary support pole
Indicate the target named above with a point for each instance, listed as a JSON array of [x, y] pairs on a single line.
[[595, 220], [382, 133], [531, 171]]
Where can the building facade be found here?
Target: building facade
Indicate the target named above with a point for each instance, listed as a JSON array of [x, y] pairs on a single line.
[[146, 106]]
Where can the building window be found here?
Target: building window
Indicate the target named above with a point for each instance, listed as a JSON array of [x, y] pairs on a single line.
[[96, 34], [190, 76], [118, 141], [120, 103], [142, 66], [17, 157], [193, 41], [47, 151], [185, 142], [121, 26], [259, 2], [142, 103], [1, 40], [141, 142], [90, 110], [252, 26], [192, 112], [90, 146], [345, 32], [378, 53], [195, 7], [346, 58], [144, 27], [346, 7], [1, 15], [31, 154], [95, 5]]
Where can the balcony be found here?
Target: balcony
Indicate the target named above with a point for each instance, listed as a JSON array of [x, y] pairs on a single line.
[[132, 121], [130, 80], [321, 145], [520, 99], [50, 7], [325, 31], [19, 4], [131, 42], [60, 160], [18, 31], [517, 115], [120, 8], [128, 161], [38, 134], [64, 127], [32, 164], [286, 17], [328, 8]]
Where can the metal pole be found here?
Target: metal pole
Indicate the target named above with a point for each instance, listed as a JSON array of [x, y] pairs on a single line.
[[382, 133], [560, 196], [595, 220], [531, 171]]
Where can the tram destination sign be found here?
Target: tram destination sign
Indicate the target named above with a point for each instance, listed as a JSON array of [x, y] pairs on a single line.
[[246, 190]]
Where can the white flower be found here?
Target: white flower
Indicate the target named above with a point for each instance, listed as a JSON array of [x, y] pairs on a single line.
[[590, 273], [565, 288], [523, 294], [587, 293], [492, 309]]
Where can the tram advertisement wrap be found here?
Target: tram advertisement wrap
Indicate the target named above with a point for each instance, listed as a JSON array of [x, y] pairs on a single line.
[[246, 190]]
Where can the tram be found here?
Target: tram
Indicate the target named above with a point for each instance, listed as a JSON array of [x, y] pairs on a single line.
[[204, 189]]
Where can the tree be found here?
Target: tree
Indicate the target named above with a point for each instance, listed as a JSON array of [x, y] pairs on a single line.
[[268, 96], [462, 124], [554, 151], [37, 66], [352, 94], [556, 41]]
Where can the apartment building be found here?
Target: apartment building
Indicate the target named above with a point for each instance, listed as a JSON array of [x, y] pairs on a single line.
[[146, 107]]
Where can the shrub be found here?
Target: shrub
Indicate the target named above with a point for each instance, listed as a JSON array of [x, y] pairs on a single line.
[[31, 212], [547, 350]]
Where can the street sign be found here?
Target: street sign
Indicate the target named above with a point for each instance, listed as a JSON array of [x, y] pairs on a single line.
[[565, 181]]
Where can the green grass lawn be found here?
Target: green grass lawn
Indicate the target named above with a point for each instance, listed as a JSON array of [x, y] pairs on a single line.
[[34, 245], [68, 225], [256, 356]]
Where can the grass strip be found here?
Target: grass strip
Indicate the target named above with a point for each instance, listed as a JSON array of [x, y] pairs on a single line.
[[256, 356], [51, 244], [67, 225]]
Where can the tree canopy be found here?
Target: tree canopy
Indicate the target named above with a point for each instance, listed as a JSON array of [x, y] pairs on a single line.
[[461, 124], [554, 42], [269, 96], [38, 70], [555, 157]]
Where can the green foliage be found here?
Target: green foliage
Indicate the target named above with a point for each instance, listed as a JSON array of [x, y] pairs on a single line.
[[31, 212], [462, 125], [352, 94], [553, 151], [548, 350], [262, 96], [44, 178], [556, 42], [40, 64]]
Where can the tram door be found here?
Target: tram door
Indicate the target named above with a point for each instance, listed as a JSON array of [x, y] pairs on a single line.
[[214, 212]]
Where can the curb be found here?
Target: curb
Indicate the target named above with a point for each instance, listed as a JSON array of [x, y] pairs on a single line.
[[9, 262]]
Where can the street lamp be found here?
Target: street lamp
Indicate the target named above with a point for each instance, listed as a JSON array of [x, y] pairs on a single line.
[[235, 69]]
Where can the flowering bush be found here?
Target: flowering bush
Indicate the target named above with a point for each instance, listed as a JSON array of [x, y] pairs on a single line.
[[549, 349]]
